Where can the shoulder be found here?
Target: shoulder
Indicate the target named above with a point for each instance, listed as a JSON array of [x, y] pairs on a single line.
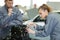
[[16, 9], [2, 8], [53, 14]]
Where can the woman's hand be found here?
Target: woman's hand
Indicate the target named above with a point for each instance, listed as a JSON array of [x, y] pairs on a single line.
[[30, 31], [29, 26]]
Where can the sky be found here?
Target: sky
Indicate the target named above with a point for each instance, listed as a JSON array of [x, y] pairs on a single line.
[[27, 2]]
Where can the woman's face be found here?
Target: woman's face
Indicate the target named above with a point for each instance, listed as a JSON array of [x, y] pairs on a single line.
[[43, 13]]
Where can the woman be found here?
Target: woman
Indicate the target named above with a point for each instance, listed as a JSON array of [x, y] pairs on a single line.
[[52, 26]]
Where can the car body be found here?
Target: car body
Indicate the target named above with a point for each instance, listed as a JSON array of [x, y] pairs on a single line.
[[37, 19]]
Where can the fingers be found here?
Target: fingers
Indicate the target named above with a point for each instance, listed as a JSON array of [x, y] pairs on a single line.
[[30, 31], [28, 28], [9, 11]]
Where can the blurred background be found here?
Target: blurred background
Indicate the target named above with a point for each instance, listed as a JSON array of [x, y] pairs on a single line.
[[29, 8]]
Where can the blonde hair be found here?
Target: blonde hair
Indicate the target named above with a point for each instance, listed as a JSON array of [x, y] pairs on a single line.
[[45, 7]]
